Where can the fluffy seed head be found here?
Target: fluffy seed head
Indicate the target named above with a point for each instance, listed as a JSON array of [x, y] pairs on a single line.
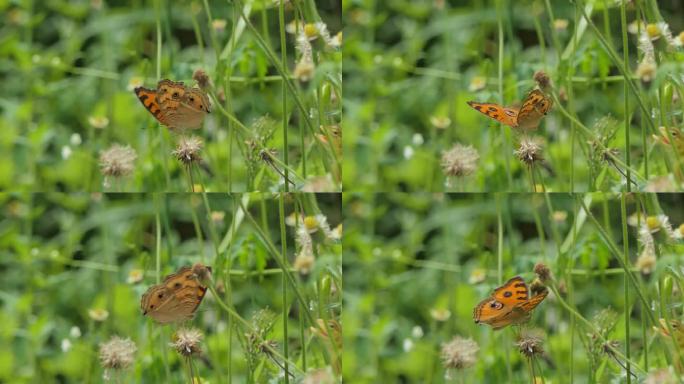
[[188, 150], [117, 353], [117, 160], [460, 160], [187, 342], [459, 353]]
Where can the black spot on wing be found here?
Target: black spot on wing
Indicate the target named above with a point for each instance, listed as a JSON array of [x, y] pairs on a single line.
[[508, 294], [492, 109], [520, 285]]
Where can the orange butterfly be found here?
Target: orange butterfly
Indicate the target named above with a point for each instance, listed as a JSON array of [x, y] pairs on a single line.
[[177, 297], [509, 304], [174, 104], [535, 106]]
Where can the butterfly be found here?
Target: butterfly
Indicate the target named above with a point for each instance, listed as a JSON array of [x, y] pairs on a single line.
[[177, 297], [509, 304], [535, 106], [175, 105], [676, 135]]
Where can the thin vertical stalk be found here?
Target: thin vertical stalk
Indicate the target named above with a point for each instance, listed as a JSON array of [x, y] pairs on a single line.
[[505, 140], [625, 245], [625, 53], [283, 57], [283, 242]]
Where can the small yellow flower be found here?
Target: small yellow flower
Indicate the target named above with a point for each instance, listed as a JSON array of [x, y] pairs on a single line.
[[311, 224], [134, 276], [653, 31], [477, 276], [440, 314], [560, 24], [440, 122], [559, 216], [134, 82], [98, 314], [99, 122], [219, 25], [653, 223], [477, 83]]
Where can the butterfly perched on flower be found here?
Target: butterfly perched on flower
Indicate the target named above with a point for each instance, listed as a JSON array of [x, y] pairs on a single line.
[[508, 304], [535, 106], [174, 104]]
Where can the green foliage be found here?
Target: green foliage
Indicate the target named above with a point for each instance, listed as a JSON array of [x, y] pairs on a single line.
[[68, 76], [427, 59], [417, 264], [65, 257]]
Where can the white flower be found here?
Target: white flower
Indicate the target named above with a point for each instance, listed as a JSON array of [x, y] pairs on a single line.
[[66, 152], [408, 152], [417, 332], [75, 332], [417, 139], [408, 345], [66, 345], [75, 139]]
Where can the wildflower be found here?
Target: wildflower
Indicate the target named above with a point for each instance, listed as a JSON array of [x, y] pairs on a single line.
[[305, 258], [543, 272], [117, 353], [646, 262], [202, 272], [417, 332], [219, 25], [134, 276], [440, 122], [459, 353], [636, 26], [646, 71], [417, 139], [477, 83], [679, 40], [653, 31], [560, 24], [75, 332], [98, 314], [311, 223], [320, 184], [559, 216], [460, 160], [336, 41], [529, 151], [678, 234], [217, 217], [303, 263], [408, 152], [134, 82], [188, 150], [304, 69], [65, 345], [117, 160], [66, 152], [440, 314], [75, 139], [187, 342], [336, 233], [530, 344], [407, 345], [99, 122], [477, 276]]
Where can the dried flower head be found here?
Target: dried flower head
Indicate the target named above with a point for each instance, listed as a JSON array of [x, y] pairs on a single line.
[[543, 271], [460, 160], [304, 263], [530, 151], [646, 263], [187, 341], [530, 344], [201, 77], [459, 353], [188, 150], [542, 79], [117, 353], [117, 160]]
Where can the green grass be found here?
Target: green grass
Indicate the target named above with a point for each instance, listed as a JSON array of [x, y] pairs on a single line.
[[427, 61], [64, 255], [66, 64], [408, 257]]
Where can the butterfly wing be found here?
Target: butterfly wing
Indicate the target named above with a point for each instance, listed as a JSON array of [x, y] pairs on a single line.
[[535, 106], [175, 299], [507, 116], [148, 98], [496, 310]]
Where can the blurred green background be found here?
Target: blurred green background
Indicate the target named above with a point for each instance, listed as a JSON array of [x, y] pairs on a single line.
[[69, 69], [426, 59], [74, 267], [415, 266]]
